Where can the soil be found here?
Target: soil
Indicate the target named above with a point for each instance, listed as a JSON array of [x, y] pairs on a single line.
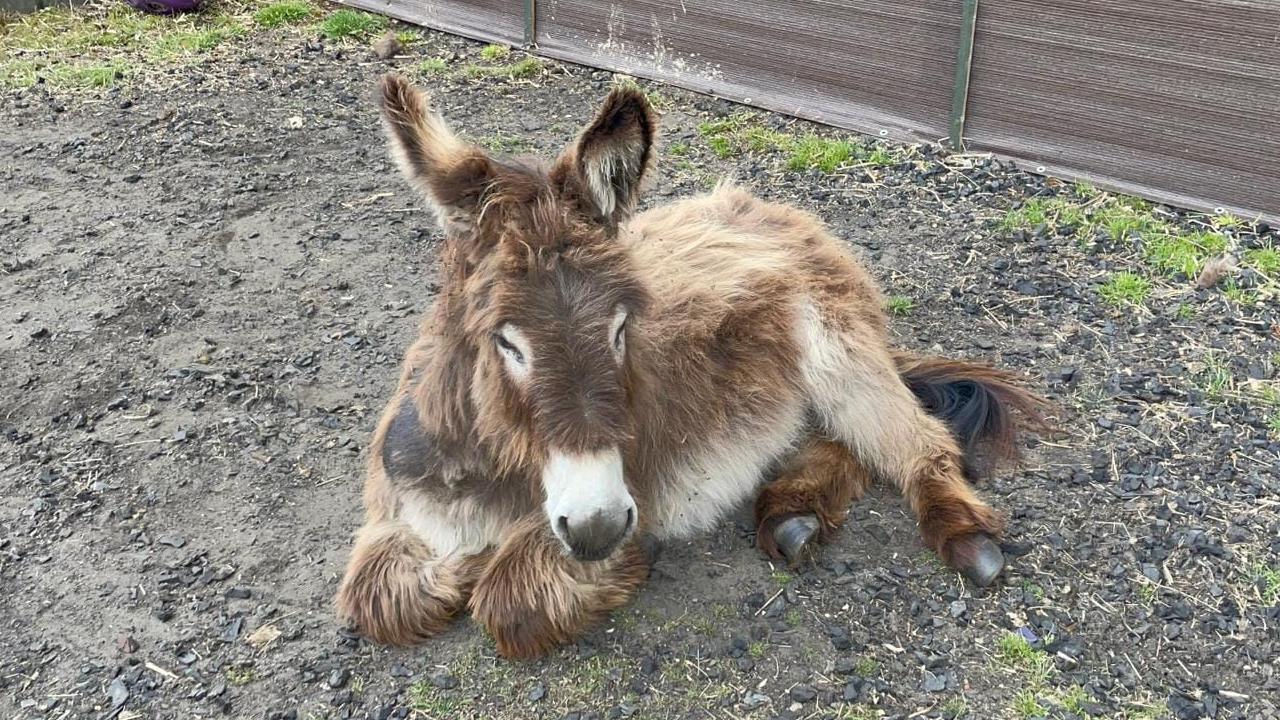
[[206, 284]]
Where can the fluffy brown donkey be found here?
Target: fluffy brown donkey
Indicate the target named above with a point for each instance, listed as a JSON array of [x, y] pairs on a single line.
[[589, 381]]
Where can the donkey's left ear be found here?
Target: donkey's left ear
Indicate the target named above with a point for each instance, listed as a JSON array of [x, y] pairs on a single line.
[[613, 154]]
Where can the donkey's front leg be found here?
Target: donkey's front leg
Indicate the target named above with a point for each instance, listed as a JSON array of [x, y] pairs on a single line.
[[809, 500], [533, 596], [396, 591]]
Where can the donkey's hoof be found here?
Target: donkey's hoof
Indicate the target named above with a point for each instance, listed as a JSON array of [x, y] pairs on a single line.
[[794, 536], [978, 558]]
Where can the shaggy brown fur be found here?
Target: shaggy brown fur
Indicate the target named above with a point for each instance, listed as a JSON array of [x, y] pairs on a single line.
[[749, 339]]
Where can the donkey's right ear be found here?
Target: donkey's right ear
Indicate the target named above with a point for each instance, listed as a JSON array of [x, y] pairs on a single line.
[[452, 174]]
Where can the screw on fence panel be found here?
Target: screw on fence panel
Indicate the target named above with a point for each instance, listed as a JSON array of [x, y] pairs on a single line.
[[530, 23], [964, 61]]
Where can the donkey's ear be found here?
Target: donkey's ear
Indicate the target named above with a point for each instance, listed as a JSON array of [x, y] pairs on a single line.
[[452, 174], [614, 152]]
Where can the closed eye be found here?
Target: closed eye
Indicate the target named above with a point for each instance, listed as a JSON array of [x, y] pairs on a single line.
[[619, 335], [509, 348]]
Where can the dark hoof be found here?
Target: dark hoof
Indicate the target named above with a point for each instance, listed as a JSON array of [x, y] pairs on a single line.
[[978, 558], [794, 535]]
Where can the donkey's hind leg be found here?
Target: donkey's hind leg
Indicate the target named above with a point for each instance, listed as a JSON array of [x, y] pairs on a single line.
[[862, 401], [396, 592], [809, 500], [533, 597]]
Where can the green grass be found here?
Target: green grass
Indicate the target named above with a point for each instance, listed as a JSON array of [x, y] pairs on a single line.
[[1238, 295], [1027, 706], [1215, 377], [1273, 424], [1125, 288], [194, 41], [866, 667], [756, 649], [793, 617], [282, 13], [955, 707], [825, 154], [781, 577], [351, 24], [1014, 652], [240, 675], [1267, 579], [678, 149], [1184, 253], [1073, 701], [429, 700], [527, 68], [1264, 260], [899, 305], [433, 66], [494, 53]]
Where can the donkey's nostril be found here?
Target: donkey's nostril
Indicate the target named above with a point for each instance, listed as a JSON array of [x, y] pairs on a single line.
[[562, 524]]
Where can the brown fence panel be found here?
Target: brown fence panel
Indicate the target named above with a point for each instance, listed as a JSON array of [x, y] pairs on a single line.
[[1177, 100], [499, 21], [870, 66]]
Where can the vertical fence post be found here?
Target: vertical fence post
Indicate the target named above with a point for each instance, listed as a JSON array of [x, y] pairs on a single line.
[[530, 23], [964, 61]]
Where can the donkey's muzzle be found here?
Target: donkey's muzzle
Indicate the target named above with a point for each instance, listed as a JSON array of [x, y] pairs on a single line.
[[597, 535]]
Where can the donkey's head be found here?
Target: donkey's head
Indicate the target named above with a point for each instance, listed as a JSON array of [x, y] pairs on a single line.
[[547, 300]]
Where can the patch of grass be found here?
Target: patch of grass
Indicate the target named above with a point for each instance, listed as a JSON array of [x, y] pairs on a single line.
[[813, 151], [351, 24], [494, 53], [1085, 190], [880, 157], [1144, 713], [282, 13], [899, 305], [1185, 311], [1073, 701], [756, 649], [954, 708], [782, 577], [429, 700], [433, 66], [762, 139], [85, 76], [1125, 288], [1184, 253], [1027, 706], [1274, 423], [678, 149], [407, 37], [1264, 260], [1035, 590], [721, 146], [794, 617], [1125, 217], [866, 667], [240, 675], [194, 41], [1053, 212], [526, 68], [1146, 592], [505, 143], [1267, 579], [1232, 291], [1215, 377], [1014, 652]]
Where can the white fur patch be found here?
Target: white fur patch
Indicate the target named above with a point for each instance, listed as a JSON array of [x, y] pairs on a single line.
[[579, 486], [707, 487], [459, 528]]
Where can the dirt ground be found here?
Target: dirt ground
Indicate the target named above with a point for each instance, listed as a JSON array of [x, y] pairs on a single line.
[[209, 270]]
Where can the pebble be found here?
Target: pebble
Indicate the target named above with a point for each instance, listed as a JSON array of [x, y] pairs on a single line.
[[118, 692], [338, 678], [934, 682], [238, 593], [803, 693], [443, 680], [538, 692]]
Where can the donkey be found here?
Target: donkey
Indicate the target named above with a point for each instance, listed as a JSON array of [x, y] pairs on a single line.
[[591, 383]]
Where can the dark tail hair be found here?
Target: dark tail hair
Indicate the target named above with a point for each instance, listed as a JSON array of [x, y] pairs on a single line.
[[984, 407]]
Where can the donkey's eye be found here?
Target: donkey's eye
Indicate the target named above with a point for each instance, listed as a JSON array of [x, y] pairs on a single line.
[[619, 336], [509, 348]]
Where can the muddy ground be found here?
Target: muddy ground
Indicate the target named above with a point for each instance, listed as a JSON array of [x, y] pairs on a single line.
[[208, 275]]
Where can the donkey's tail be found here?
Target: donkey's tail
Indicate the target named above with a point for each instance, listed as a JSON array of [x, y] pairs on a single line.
[[984, 407]]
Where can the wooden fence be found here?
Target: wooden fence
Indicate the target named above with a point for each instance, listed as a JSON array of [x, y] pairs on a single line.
[[1175, 100]]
